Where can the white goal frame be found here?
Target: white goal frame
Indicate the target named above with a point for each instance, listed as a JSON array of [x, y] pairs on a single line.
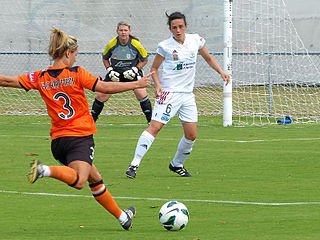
[[227, 63]]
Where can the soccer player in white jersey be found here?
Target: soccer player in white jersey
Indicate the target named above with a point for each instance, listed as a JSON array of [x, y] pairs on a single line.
[[174, 91]]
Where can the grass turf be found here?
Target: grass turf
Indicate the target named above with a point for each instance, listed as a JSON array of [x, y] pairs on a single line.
[[243, 165]]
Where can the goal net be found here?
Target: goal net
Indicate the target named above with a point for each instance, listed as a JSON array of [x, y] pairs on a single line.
[[273, 75]]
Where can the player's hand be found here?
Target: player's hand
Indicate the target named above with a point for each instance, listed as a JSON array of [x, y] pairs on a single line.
[[225, 77], [158, 91], [131, 73], [113, 75], [144, 81]]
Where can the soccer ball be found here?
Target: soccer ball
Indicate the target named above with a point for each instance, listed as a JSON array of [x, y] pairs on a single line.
[[174, 215]]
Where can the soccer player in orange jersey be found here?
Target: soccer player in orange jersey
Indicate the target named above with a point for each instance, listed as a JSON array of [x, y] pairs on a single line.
[[62, 88]]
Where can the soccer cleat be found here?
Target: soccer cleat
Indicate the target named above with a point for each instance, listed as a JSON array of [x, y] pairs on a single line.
[[36, 171], [131, 171], [180, 170], [131, 212]]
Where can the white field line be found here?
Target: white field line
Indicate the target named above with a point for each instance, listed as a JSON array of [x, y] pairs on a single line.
[[260, 140], [165, 199], [125, 124], [174, 139]]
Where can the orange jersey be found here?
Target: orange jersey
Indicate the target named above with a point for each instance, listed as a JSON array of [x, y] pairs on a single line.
[[62, 89]]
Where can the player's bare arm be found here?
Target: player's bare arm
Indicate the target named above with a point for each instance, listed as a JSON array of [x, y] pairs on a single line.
[[214, 64], [140, 65], [106, 63], [155, 76], [7, 81]]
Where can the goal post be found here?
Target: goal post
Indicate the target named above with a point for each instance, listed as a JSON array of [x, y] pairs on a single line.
[[227, 63]]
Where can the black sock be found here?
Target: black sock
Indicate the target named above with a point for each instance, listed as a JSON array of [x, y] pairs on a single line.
[[97, 107], [146, 108]]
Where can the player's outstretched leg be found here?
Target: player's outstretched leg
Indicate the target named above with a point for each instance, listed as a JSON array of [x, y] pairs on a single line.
[[63, 173], [105, 199], [131, 212], [36, 171]]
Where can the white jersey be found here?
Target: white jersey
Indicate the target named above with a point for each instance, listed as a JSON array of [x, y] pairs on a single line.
[[179, 65]]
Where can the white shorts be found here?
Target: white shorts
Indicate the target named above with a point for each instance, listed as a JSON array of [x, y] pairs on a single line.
[[172, 103]]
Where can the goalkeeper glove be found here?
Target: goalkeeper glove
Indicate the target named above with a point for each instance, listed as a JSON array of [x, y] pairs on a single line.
[[131, 73], [113, 75]]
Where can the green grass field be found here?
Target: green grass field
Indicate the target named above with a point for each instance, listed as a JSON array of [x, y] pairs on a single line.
[[248, 183]]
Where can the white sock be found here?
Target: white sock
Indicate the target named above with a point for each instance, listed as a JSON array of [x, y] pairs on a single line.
[[123, 217], [46, 170], [144, 143], [183, 151]]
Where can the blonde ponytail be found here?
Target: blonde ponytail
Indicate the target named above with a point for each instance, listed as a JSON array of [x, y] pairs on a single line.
[[60, 42]]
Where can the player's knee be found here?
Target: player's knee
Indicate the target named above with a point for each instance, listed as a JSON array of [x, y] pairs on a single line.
[[191, 137], [79, 186], [81, 183], [154, 128]]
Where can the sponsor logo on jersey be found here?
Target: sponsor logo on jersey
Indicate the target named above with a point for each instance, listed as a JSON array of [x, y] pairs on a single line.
[[182, 65], [175, 55], [32, 77], [122, 64]]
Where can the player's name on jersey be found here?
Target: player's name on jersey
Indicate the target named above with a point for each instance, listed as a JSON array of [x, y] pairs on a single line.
[[57, 83]]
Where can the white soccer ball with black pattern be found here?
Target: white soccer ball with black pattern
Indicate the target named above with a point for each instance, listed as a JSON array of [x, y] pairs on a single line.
[[174, 216]]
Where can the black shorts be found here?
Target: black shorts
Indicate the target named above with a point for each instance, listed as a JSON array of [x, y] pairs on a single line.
[[68, 149], [122, 78]]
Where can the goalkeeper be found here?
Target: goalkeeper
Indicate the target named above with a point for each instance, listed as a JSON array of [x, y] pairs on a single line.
[[124, 57]]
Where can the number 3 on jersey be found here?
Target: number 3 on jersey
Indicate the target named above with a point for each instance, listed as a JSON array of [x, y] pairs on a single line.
[[66, 105]]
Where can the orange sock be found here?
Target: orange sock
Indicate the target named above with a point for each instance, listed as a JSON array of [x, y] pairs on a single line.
[[102, 195], [65, 174]]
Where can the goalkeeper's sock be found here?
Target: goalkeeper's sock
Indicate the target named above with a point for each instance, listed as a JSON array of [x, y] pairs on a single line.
[[146, 107], [103, 196], [65, 174], [96, 109], [144, 143], [183, 151]]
